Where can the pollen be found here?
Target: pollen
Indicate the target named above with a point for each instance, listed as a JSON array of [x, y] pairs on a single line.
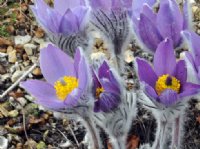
[[64, 86], [167, 82], [99, 90]]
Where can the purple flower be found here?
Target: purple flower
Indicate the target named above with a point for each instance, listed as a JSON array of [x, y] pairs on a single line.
[[106, 89], [67, 17], [66, 79], [109, 5], [166, 82], [193, 57], [151, 28]]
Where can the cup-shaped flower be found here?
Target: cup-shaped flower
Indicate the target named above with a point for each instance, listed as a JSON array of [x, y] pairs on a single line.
[[151, 28], [166, 83], [109, 5], [193, 55], [106, 89], [66, 79], [67, 17]]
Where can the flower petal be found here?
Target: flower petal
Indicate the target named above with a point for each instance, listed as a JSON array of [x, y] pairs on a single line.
[[189, 89], [149, 33], [170, 20], [168, 97], [138, 4], [62, 5], [193, 41], [187, 15], [45, 93], [101, 4], [164, 58], [73, 98], [181, 71], [83, 74], [149, 90], [107, 102], [146, 73], [55, 64]]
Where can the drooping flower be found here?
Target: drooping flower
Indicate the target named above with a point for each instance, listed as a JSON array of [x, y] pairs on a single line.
[[151, 28], [67, 17], [193, 55], [106, 89], [165, 83], [66, 79], [111, 19], [65, 23]]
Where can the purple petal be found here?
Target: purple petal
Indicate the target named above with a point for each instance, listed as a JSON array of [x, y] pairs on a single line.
[[83, 74], [193, 41], [181, 71], [62, 5], [101, 4], [96, 83], [80, 13], [107, 102], [168, 97], [170, 20], [164, 58], [69, 23], [55, 64], [138, 4], [149, 90], [149, 33], [109, 86], [189, 89], [144, 68], [187, 15], [45, 93], [73, 98], [104, 70]]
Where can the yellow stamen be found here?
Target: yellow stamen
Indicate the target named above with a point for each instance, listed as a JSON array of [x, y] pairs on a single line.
[[64, 86], [99, 90], [167, 82]]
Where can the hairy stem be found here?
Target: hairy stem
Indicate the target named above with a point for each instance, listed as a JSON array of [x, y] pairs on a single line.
[[118, 143], [160, 139], [176, 132], [89, 124]]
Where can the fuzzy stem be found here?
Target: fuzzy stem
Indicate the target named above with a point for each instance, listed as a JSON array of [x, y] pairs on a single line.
[[160, 140], [118, 143], [176, 130], [93, 132]]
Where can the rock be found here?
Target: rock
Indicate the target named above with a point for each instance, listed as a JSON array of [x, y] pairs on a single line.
[[37, 72], [30, 98], [22, 101], [2, 55], [16, 75], [5, 42], [12, 57], [31, 109], [128, 56], [2, 69], [29, 48], [10, 49], [44, 45], [38, 40], [39, 33], [22, 39], [3, 142], [13, 113]]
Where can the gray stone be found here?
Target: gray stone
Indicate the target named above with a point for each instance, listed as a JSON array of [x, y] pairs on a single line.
[[21, 40]]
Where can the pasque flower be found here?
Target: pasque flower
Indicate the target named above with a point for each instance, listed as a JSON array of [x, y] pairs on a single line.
[[66, 79], [165, 83], [153, 27], [193, 55], [67, 17], [65, 23], [106, 89]]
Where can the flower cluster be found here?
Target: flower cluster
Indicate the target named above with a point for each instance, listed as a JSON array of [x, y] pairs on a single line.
[[99, 95]]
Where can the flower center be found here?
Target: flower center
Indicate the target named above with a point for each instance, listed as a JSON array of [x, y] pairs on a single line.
[[99, 90], [64, 86], [167, 82]]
